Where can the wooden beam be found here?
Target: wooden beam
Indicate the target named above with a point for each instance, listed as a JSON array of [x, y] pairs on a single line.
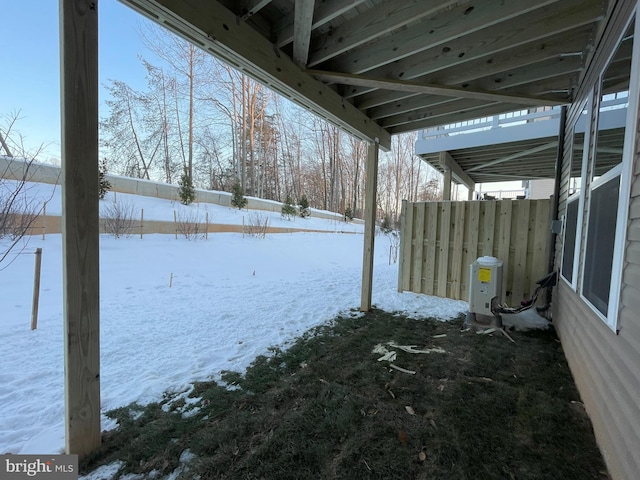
[[446, 187], [324, 13], [454, 23], [252, 7], [448, 163], [475, 65], [217, 30], [80, 233], [302, 31], [508, 158], [441, 116], [473, 49], [376, 21], [371, 186], [441, 90]]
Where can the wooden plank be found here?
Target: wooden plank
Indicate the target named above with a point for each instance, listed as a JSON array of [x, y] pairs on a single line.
[[456, 272], [407, 250], [445, 27], [488, 227], [416, 280], [504, 244], [541, 245], [471, 238], [378, 20], [303, 17], [80, 226], [521, 215], [446, 187], [432, 63], [430, 89], [433, 229], [325, 12], [371, 183], [443, 251], [448, 162], [403, 248]]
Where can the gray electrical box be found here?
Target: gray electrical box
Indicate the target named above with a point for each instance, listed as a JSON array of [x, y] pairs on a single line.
[[485, 288]]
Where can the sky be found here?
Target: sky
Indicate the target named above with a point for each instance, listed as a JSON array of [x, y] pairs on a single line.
[[30, 63], [176, 311]]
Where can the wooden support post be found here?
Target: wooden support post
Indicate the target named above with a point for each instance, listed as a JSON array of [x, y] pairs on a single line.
[[80, 223], [36, 290], [369, 225], [446, 191], [141, 221], [206, 229], [44, 220], [175, 224]]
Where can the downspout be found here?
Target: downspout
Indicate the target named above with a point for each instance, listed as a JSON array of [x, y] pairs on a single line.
[[556, 203]]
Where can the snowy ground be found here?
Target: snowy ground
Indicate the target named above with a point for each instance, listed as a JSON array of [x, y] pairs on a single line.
[[231, 298]]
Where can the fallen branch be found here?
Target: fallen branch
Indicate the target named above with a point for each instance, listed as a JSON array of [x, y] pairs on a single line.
[[412, 349], [507, 335], [403, 370], [486, 332], [388, 357]]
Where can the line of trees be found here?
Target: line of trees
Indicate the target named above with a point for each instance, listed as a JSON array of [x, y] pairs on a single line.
[[201, 116]]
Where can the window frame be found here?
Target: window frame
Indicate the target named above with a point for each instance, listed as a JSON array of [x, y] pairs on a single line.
[[578, 196], [624, 170]]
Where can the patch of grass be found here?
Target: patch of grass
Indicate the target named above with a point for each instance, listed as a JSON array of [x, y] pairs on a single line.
[[325, 407]]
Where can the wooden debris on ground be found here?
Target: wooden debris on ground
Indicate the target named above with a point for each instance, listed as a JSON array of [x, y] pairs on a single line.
[[507, 335], [486, 331], [412, 348], [403, 370]]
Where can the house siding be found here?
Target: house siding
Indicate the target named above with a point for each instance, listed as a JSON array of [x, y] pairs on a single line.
[[605, 364]]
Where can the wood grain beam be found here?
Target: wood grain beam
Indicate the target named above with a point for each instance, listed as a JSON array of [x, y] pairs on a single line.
[[302, 31], [251, 7], [217, 30], [454, 23], [414, 87], [536, 28], [485, 66], [371, 187], [448, 162], [508, 158], [534, 81], [452, 115], [80, 226], [379, 20], [323, 14]]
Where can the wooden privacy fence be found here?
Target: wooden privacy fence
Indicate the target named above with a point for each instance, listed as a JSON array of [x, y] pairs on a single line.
[[439, 240]]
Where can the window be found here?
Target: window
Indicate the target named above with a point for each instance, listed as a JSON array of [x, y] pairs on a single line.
[[600, 244], [570, 233], [606, 214], [571, 225]]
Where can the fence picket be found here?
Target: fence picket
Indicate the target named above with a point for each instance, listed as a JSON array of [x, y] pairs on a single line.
[[430, 247], [441, 239]]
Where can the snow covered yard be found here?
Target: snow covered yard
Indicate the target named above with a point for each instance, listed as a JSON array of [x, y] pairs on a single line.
[[231, 298]]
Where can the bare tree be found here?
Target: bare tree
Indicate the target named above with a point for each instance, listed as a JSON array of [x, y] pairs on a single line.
[[124, 132], [18, 208], [190, 64]]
